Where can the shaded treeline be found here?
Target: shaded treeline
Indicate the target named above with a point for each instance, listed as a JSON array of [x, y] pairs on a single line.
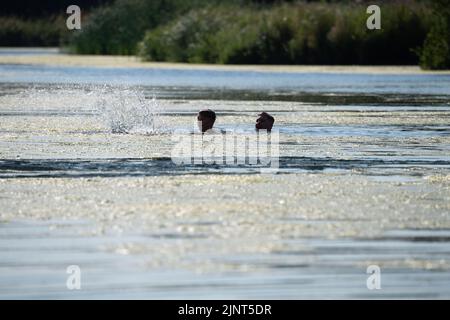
[[241, 31], [38, 23], [290, 34], [435, 53]]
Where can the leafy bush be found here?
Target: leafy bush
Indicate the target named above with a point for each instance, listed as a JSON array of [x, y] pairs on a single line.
[[435, 53], [116, 29], [39, 32], [297, 33]]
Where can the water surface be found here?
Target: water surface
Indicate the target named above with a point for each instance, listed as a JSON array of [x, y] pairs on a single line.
[[363, 179]]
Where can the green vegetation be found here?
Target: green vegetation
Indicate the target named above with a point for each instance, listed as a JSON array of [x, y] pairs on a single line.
[[242, 31], [37, 32], [38, 23], [298, 33], [435, 53], [117, 29]]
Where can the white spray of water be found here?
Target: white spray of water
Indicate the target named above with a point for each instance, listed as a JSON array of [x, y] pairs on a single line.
[[127, 110], [121, 109]]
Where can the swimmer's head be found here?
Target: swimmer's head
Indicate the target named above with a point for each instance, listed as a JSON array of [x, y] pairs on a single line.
[[264, 122], [206, 119]]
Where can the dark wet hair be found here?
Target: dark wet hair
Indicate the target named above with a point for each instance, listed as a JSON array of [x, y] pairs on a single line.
[[208, 113], [268, 116]]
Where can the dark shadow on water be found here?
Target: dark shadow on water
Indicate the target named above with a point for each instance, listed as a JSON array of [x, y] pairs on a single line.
[[82, 168], [317, 94]]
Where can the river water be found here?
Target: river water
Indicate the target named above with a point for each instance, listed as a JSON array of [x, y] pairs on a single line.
[[363, 179]]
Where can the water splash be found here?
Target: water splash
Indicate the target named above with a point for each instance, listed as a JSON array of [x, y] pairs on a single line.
[[127, 110], [120, 109]]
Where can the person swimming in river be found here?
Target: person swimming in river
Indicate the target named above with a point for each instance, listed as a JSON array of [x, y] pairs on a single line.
[[206, 119], [264, 122]]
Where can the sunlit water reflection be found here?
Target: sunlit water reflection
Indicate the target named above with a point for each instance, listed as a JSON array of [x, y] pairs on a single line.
[[86, 178]]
